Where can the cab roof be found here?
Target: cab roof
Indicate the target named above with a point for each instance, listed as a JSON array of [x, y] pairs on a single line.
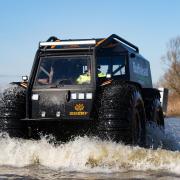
[[111, 41]]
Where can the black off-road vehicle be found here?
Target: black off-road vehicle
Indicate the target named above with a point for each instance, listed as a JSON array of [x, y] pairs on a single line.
[[98, 86]]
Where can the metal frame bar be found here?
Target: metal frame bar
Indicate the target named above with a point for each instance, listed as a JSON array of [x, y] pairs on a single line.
[[114, 36]]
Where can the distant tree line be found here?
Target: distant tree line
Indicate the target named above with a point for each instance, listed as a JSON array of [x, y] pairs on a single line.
[[171, 78]]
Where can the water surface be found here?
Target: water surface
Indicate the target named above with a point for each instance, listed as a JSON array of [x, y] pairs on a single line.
[[91, 158]]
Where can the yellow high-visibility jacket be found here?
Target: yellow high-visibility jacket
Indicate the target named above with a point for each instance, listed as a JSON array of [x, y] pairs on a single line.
[[83, 79], [101, 74]]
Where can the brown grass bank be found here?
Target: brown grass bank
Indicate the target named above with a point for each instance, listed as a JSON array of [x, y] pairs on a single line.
[[173, 105]]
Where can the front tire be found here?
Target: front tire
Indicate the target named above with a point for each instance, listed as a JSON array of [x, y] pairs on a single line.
[[121, 115], [12, 109]]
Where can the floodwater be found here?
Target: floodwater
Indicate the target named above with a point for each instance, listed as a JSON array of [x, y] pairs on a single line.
[[91, 158]]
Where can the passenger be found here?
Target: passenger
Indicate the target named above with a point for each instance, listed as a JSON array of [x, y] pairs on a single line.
[[84, 78], [100, 73]]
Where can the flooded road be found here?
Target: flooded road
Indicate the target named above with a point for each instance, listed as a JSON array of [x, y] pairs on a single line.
[[91, 158]]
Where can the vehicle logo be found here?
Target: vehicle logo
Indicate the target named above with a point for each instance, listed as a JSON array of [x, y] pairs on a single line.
[[79, 107]]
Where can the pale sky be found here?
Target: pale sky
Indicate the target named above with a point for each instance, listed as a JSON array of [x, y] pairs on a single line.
[[147, 24]]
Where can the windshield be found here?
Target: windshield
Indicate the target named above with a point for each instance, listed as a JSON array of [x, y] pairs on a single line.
[[55, 71], [111, 65]]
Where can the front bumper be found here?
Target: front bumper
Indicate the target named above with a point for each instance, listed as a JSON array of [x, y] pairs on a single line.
[[58, 119], [61, 129]]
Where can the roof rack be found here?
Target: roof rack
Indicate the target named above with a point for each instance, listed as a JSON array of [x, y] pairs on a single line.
[[54, 41], [117, 39]]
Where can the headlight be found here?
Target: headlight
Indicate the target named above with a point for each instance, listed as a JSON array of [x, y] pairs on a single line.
[[58, 114], [73, 96], [81, 96], [35, 97], [88, 95], [43, 114]]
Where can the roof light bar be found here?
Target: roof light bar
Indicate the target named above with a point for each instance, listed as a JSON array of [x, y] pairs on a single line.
[[66, 43]]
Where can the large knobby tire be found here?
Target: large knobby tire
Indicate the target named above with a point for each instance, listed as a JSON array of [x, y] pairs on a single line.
[[12, 109], [121, 114], [154, 112]]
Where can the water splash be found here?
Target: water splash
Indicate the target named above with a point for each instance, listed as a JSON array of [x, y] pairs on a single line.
[[161, 138], [3, 87], [86, 155]]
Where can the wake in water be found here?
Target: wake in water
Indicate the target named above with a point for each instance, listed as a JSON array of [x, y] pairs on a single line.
[[85, 154]]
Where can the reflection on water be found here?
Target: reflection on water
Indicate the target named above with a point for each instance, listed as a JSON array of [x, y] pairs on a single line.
[[92, 158]]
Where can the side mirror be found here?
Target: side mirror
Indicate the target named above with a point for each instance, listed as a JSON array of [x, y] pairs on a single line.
[[25, 78]]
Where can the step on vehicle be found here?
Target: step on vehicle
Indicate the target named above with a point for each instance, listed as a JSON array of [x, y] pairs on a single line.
[[84, 86]]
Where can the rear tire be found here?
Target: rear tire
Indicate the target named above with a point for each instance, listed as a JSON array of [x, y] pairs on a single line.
[[12, 109], [121, 115]]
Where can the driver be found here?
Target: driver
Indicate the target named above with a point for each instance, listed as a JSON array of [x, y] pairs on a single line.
[[84, 78]]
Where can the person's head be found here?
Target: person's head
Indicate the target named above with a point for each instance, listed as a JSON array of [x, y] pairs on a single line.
[[88, 72], [98, 67]]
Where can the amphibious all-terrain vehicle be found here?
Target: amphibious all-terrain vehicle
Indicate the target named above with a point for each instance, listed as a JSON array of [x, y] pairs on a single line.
[[99, 86]]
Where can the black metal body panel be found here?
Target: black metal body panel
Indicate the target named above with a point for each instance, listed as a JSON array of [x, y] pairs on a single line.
[[52, 101]]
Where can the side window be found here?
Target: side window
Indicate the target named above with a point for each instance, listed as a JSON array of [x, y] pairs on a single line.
[[104, 64], [114, 65], [118, 65]]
